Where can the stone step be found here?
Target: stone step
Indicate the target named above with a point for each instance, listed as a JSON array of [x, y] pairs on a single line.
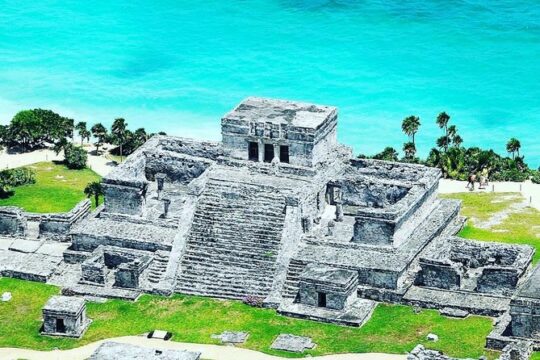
[[240, 246]]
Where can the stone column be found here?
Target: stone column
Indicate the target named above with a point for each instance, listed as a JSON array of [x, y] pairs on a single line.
[[276, 152], [160, 180], [261, 151], [331, 228], [166, 204], [339, 211], [307, 224]]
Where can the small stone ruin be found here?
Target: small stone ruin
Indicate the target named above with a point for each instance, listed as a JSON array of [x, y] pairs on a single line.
[[65, 316]]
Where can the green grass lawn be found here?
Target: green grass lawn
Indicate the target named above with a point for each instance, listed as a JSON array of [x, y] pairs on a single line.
[[392, 329], [57, 189], [519, 228]]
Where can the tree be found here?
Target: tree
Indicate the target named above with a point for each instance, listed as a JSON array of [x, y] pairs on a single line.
[[26, 129], [410, 126], [457, 140], [119, 134], [513, 146], [410, 150], [75, 157], [100, 133], [94, 189], [55, 127], [61, 146], [4, 132], [388, 154], [442, 121], [442, 143], [83, 131]]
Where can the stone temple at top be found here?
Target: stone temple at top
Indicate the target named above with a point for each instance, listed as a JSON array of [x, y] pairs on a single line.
[[281, 213]]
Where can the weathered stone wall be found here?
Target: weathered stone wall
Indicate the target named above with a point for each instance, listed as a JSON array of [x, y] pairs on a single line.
[[374, 231], [202, 149], [94, 270], [59, 225], [378, 278], [124, 199], [525, 314], [72, 324], [177, 168], [497, 280], [359, 192], [438, 275], [12, 221]]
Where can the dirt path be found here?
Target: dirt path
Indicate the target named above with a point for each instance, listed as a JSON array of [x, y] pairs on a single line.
[[211, 352]]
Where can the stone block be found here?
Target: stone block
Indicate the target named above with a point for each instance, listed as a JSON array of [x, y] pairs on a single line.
[[292, 343]]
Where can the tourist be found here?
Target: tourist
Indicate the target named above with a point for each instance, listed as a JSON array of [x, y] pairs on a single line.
[[471, 179]]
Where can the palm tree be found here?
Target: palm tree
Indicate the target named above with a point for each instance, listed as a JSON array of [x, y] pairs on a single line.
[[388, 154], [83, 132], [60, 146], [409, 149], [442, 121], [94, 189], [100, 133], [442, 143], [81, 127], [410, 126], [512, 146], [457, 140], [118, 130]]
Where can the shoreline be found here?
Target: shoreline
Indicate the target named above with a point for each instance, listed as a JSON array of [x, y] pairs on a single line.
[[210, 352]]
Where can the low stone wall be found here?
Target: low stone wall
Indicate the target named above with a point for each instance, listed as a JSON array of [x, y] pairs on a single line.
[[59, 225], [12, 221]]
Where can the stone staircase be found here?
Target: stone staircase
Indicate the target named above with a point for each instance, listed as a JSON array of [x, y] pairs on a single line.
[[290, 288], [234, 241], [158, 267]]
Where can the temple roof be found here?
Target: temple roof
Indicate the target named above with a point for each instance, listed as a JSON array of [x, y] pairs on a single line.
[[297, 114]]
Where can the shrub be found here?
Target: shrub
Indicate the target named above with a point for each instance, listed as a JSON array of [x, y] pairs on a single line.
[[536, 177], [75, 157], [15, 177], [255, 301], [510, 175]]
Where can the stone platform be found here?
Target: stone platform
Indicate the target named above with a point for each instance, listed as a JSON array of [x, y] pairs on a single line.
[[356, 314], [474, 303]]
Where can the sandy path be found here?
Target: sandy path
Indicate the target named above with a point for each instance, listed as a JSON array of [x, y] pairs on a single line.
[[530, 191], [99, 164], [213, 352]]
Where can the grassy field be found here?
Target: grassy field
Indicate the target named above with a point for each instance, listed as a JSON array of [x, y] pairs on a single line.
[[522, 227], [392, 329], [57, 189]]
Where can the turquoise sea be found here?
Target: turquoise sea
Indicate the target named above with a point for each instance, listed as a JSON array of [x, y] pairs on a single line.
[[179, 65]]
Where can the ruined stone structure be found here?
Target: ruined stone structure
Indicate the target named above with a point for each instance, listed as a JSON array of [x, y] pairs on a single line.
[[280, 211], [65, 316]]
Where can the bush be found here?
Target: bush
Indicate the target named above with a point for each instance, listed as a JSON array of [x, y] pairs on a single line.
[[75, 157], [510, 175], [255, 301], [15, 177], [536, 177]]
